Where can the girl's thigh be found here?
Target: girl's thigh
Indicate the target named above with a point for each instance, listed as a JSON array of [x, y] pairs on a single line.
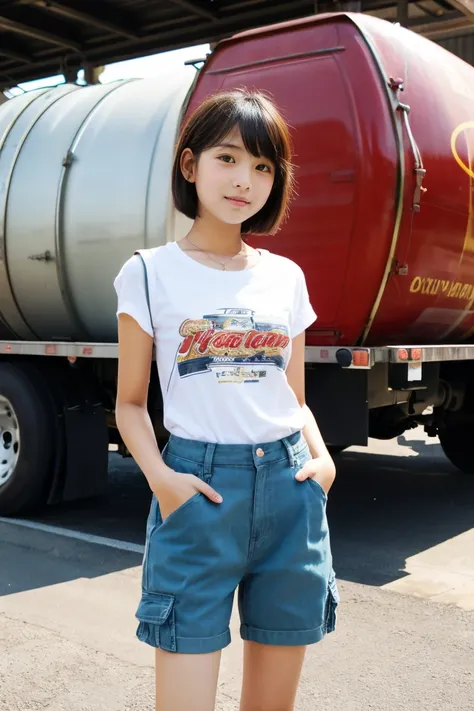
[[186, 681], [271, 676]]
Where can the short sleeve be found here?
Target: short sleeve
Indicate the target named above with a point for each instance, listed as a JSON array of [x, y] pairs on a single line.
[[129, 285], [302, 314]]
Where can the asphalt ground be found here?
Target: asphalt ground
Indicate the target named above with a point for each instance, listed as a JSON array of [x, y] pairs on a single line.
[[401, 521]]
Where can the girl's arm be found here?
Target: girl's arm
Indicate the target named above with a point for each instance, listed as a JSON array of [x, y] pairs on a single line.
[[321, 467], [134, 422]]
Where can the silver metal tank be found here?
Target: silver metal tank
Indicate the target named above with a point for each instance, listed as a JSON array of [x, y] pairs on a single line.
[[84, 181]]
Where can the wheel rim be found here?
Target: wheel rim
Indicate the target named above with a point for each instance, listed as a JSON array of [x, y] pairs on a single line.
[[9, 440]]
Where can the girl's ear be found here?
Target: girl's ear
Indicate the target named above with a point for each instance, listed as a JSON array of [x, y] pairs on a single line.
[[187, 163]]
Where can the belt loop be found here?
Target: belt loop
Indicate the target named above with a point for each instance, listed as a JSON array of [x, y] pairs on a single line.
[[290, 452], [208, 457]]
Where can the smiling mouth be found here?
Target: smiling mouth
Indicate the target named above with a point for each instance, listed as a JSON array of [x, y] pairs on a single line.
[[241, 202]]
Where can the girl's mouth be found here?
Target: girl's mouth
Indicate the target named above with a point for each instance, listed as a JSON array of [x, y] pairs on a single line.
[[237, 201]]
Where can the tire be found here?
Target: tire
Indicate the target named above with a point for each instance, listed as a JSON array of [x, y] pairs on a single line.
[[456, 441], [27, 438]]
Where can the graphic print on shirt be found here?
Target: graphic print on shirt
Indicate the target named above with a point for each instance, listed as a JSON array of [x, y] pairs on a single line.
[[232, 344]]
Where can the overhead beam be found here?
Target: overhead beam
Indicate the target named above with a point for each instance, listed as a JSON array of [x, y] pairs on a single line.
[[13, 51], [402, 12], [183, 34], [27, 31], [351, 6], [464, 6], [81, 15], [438, 30], [436, 14], [197, 9]]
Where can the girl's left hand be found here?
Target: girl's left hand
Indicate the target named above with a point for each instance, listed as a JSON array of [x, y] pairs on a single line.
[[322, 469]]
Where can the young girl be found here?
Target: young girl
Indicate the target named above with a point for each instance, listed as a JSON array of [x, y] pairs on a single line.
[[240, 490]]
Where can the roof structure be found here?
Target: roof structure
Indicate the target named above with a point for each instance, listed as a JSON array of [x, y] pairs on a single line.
[[40, 38]]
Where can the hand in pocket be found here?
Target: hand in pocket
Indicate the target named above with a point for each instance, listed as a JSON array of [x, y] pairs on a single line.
[[174, 490]]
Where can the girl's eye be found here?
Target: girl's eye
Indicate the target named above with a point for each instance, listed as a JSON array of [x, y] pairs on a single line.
[[264, 168], [226, 159]]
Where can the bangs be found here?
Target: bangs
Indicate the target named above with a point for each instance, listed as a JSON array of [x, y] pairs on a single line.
[[259, 133]]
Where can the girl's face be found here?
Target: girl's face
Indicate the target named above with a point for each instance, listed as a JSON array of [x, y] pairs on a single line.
[[232, 185]]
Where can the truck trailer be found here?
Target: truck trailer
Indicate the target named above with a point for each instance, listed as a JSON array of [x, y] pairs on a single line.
[[382, 122]]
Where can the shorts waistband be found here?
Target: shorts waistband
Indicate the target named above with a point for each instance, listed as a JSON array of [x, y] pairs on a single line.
[[209, 453]]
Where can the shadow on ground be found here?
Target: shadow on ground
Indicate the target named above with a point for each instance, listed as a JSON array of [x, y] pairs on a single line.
[[387, 507], [389, 502]]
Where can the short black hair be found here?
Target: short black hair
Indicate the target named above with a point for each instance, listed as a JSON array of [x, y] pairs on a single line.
[[264, 133]]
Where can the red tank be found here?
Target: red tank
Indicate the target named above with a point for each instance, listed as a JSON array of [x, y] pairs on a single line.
[[383, 130]]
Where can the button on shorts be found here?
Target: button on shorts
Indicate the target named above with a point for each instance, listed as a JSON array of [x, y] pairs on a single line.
[[269, 537]]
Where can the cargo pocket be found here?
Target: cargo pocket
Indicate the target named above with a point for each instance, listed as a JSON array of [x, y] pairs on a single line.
[[332, 601], [157, 621]]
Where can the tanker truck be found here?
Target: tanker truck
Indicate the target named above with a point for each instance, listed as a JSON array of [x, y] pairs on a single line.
[[382, 122]]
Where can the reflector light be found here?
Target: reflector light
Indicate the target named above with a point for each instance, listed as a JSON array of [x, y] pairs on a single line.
[[416, 353], [360, 358], [402, 354], [50, 349], [87, 350]]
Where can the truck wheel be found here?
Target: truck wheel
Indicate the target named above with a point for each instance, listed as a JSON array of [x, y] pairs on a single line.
[[26, 438], [456, 442]]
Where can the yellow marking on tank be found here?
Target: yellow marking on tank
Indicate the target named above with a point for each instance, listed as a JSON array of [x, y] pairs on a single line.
[[468, 245], [449, 288], [468, 169], [454, 136]]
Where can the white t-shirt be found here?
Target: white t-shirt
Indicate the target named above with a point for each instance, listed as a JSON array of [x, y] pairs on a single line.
[[223, 342]]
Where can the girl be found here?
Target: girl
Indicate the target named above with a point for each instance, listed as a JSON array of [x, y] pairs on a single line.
[[240, 489]]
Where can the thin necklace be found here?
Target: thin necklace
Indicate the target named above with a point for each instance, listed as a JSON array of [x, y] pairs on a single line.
[[217, 261]]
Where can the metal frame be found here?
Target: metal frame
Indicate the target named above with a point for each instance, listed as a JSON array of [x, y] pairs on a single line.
[[101, 20], [391, 354], [466, 7], [36, 33], [38, 38], [313, 354], [198, 8]]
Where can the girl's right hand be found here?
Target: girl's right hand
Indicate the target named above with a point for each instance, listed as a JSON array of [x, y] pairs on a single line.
[[174, 490]]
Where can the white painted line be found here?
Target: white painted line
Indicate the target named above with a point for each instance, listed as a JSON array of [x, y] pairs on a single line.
[[78, 535]]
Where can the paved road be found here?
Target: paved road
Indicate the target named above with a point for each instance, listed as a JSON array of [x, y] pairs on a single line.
[[401, 521]]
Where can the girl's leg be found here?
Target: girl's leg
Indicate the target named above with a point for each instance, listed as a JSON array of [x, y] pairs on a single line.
[[186, 682], [271, 676]]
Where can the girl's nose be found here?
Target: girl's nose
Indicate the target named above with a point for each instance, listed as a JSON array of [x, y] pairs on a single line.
[[242, 182]]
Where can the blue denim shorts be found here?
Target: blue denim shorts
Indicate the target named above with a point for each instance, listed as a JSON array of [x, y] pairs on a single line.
[[269, 538]]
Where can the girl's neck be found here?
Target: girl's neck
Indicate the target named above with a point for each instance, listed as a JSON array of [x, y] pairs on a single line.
[[215, 236]]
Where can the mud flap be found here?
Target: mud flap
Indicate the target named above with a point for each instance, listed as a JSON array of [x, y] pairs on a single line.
[[87, 449], [80, 466]]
